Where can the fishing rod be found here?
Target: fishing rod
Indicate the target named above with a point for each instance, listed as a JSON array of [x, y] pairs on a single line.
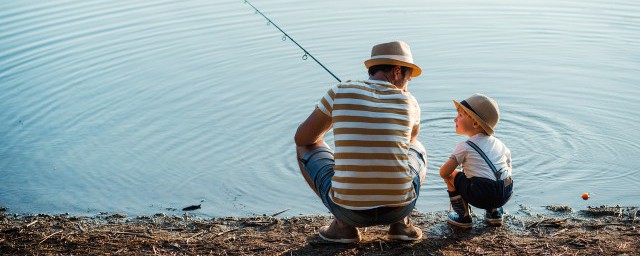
[[306, 53]]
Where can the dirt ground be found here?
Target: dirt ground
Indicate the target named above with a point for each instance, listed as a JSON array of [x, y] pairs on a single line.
[[601, 230]]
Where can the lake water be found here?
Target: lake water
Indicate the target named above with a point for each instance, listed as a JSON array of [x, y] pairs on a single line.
[[138, 106]]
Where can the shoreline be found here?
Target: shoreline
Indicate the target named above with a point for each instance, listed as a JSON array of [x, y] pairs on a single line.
[[605, 230]]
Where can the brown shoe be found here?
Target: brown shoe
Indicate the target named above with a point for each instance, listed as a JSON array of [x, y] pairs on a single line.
[[338, 232], [403, 230]]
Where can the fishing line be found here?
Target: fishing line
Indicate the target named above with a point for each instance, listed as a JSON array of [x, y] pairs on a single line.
[[285, 36]]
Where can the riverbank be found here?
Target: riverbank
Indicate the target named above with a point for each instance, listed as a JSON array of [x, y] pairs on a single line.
[[600, 230]]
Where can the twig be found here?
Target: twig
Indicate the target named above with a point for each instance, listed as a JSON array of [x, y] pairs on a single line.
[[173, 229], [202, 232], [607, 224], [131, 234], [548, 223], [257, 223], [31, 224], [80, 227], [559, 232], [280, 212], [224, 232], [45, 239]]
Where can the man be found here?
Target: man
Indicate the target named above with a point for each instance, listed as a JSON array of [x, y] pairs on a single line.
[[375, 175]]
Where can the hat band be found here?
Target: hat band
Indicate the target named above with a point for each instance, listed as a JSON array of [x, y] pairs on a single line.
[[395, 57], [464, 103]]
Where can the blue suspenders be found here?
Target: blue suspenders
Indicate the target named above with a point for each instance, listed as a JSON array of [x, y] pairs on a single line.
[[497, 173], [504, 187]]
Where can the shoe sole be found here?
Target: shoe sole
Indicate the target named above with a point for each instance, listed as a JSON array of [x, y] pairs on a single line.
[[494, 222], [404, 237], [341, 240], [460, 225]]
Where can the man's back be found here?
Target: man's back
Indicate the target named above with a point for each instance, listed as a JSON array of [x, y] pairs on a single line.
[[372, 124]]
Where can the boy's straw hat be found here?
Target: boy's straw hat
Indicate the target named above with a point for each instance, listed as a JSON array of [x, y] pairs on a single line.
[[393, 53], [482, 109]]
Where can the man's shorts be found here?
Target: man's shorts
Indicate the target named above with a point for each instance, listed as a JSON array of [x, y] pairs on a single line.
[[481, 192], [319, 163]]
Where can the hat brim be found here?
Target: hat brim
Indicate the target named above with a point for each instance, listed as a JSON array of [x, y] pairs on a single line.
[[417, 71], [476, 118]]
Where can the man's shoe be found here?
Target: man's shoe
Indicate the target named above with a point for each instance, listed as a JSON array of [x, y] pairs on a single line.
[[334, 233], [458, 221], [404, 230], [494, 217]]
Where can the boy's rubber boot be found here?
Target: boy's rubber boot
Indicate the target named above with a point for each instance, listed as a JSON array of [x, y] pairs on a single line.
[[460, 217], [493, 217], [338, 232]]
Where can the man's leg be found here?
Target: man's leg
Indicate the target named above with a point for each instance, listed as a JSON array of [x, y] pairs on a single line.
[[300, 152], [403, 229], [337, 231]]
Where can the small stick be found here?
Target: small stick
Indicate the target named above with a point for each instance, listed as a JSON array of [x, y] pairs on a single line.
[[131, 234], [31, 224], [224, 232], [280, 212], [45, 239], [80, 227], [556, 233], [202, 232]]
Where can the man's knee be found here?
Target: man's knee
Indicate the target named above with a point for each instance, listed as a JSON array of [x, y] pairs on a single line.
[[302, 150], [418, 146]]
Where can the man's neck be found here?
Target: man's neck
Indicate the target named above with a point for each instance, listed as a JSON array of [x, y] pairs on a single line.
[[380, 77]]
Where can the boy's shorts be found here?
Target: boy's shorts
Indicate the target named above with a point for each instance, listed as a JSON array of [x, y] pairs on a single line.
[[482, 192], [319, 162]]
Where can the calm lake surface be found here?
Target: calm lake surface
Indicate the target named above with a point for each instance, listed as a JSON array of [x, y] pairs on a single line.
[[138, 106]]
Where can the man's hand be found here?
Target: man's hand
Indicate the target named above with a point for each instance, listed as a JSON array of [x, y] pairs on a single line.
[[313, 129]]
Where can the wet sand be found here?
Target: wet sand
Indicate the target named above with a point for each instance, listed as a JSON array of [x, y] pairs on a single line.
[[558, 231]]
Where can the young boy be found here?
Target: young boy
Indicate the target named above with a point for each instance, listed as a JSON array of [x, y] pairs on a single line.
[[485, 180]]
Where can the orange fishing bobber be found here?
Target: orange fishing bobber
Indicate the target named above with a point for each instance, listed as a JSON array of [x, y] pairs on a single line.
[[585, 196]]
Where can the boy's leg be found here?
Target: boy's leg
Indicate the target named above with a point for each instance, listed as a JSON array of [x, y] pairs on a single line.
[[461, 216], [493, 217]]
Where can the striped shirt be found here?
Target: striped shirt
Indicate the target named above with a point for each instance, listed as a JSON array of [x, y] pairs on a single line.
[[372, 124]]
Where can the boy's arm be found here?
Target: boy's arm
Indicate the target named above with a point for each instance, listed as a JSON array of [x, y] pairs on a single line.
[[448, 167]]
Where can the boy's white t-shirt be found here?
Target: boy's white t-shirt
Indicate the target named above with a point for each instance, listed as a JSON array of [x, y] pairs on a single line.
[[474, 165]]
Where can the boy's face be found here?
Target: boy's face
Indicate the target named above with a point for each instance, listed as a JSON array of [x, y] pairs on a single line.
[[464, 123]]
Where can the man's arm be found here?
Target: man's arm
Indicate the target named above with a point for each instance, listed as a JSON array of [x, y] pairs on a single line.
[[414, 132], [313, 129]]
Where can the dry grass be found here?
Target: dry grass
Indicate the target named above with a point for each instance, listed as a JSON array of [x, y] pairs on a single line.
[[180, 235]]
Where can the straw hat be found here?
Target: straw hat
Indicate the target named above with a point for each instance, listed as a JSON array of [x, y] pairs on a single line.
[[482, 109], [393, 53]]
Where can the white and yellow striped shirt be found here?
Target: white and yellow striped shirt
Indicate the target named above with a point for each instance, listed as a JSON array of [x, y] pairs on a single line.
[[372, 123]]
